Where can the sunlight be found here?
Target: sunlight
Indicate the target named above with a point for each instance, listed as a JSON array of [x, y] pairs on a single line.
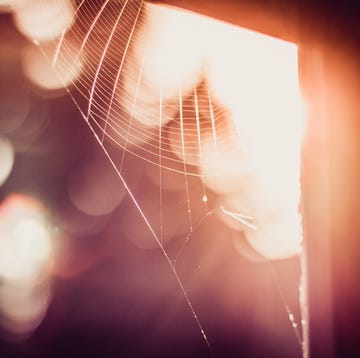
[[227, 98], [256, 77], [247, 140], [175, 57]]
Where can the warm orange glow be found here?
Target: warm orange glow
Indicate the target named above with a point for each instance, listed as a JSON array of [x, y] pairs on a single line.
[[25, 240], [43, 20], [228, 100], [167, 55], [255, 79], [174, 57], [63, 70]]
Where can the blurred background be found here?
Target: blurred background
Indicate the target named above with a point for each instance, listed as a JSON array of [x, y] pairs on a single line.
[[78, 273]]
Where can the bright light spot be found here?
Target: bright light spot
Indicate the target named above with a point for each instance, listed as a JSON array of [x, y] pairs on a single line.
[[5, 5], [276, 217], [14, 3], [25, 245], [9, 5], [252, 71], [226, 169], [43, 20], [25, 259], [169, 54], [183, 140], [142, 101], [174, 57], [6, 158], [23, 308], [255, 78], [32, 235], [65, 68]]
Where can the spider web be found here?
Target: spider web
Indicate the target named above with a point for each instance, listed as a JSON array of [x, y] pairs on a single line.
[[167, 127]]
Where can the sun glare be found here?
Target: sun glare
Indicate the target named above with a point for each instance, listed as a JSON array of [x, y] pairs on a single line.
[[254, 79]]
